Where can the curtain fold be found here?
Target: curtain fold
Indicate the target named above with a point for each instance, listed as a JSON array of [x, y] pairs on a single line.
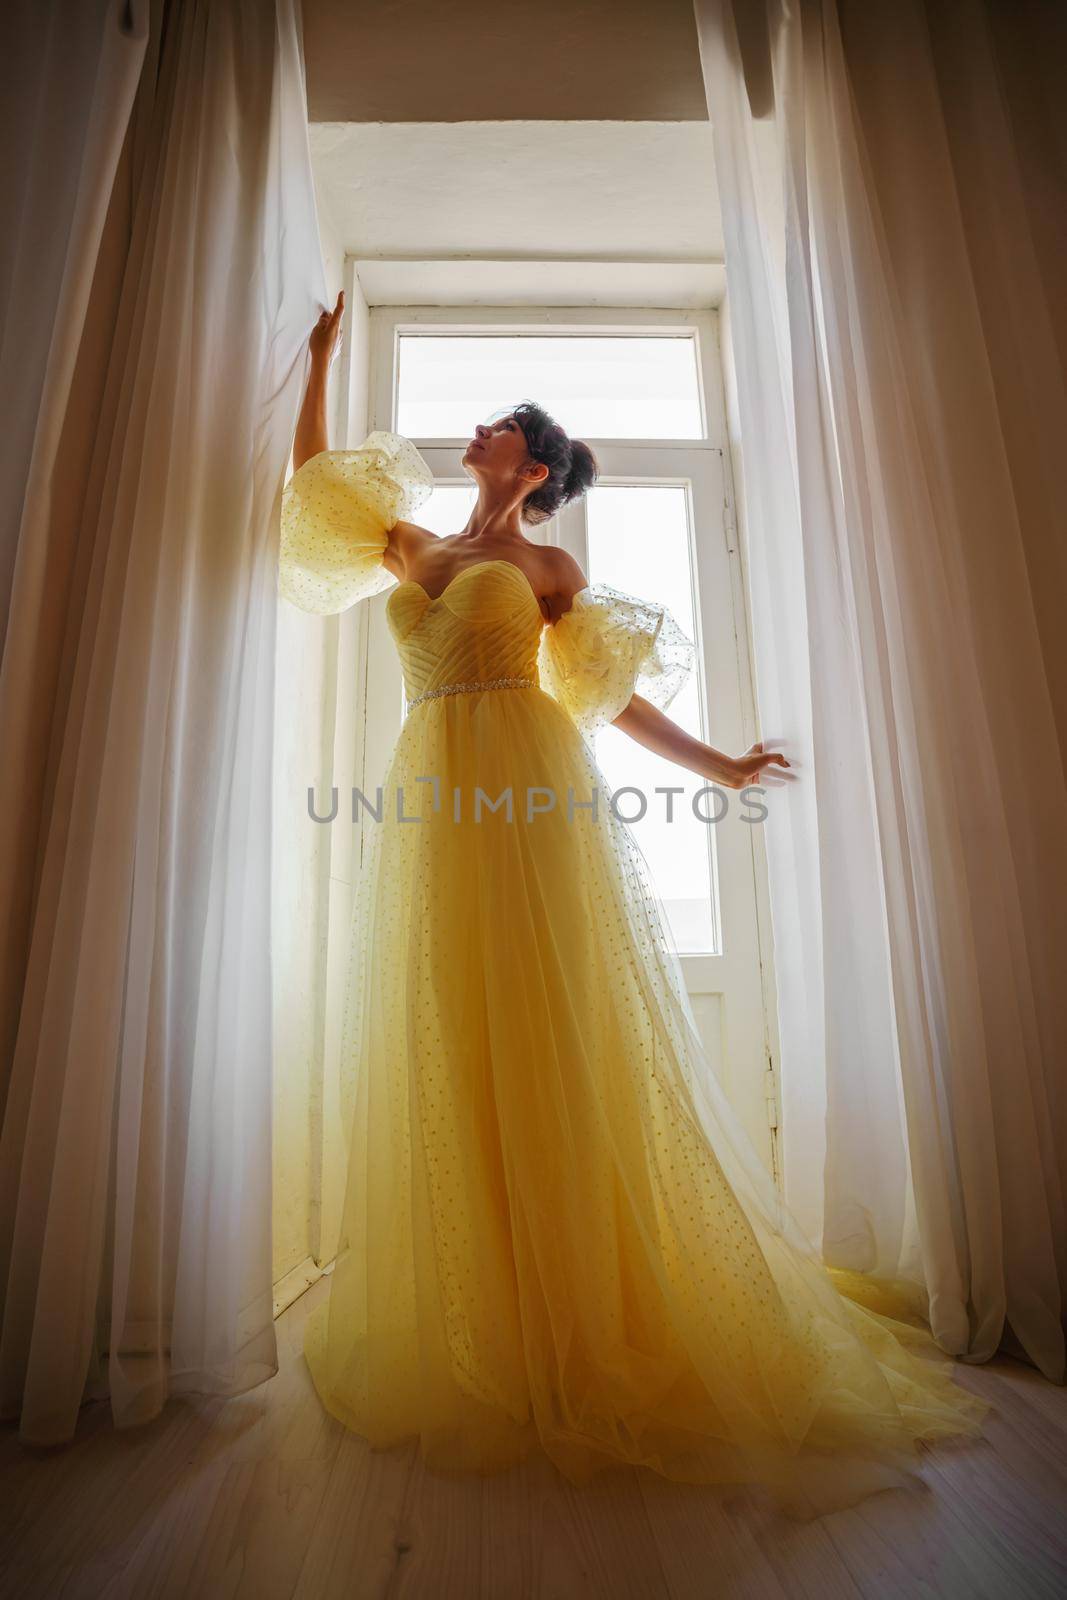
[[137, 684], [883, 179], [71, 84]]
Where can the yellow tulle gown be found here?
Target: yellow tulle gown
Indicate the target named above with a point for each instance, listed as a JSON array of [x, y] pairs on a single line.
[[555, 1233]]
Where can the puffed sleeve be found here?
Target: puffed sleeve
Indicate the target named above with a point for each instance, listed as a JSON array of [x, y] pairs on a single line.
[[337, 510], [607, 647]]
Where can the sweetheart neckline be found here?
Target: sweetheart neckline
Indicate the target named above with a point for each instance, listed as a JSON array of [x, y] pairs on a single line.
[[490, 561]]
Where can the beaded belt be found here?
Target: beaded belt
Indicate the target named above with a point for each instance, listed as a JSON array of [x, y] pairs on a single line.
[[467, 688]]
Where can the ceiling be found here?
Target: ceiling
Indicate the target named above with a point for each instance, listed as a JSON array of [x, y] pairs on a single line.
[[618, 191], [460, 133]]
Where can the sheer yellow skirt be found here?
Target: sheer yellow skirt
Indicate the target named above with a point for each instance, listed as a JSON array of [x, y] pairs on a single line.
[[555, 1234]]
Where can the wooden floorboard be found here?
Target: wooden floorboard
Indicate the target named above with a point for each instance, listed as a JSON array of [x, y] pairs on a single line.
[[266, 1497]]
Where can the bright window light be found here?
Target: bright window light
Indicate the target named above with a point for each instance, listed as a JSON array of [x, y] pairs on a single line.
[[639, 543], [448, 507], [642, 386]]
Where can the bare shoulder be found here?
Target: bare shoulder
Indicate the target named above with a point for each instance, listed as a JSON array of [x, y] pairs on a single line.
[[563, 579]]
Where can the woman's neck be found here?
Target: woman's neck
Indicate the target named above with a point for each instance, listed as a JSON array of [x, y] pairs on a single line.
[[493, 521]]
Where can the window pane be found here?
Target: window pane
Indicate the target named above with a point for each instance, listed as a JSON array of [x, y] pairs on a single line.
[[446, 510], [639, 542], [611, 387]]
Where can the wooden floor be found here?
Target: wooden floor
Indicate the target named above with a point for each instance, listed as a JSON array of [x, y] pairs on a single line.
[[266, 1496]]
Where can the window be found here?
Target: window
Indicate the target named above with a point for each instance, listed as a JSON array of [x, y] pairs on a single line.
[[606, 386], [644, 389], [447, 509], [638, 540], [637, 396]]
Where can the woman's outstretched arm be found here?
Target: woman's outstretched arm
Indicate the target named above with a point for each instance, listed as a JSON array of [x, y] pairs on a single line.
[[312, 434], [654, 729]]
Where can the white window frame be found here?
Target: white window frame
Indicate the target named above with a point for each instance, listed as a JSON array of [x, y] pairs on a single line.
[[731, 990]]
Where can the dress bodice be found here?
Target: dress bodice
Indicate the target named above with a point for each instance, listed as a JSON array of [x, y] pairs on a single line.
[[337, 510], [485, 625]]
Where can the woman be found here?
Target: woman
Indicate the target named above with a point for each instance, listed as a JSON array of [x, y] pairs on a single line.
[[555, 1233]]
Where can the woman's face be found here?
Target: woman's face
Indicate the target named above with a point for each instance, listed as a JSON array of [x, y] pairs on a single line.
[[498, 456]]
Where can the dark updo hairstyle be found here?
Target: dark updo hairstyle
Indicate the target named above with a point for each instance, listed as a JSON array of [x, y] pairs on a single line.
[[572, 466]]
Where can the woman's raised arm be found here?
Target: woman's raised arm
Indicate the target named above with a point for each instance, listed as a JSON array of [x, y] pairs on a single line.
[[312, 434]]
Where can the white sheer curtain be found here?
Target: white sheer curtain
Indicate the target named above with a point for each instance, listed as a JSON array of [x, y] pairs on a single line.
[[900, 380], [162, 296]]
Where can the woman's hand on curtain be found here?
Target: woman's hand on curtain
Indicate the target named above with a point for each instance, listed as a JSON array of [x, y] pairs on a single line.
[[749, 768], [325, 338], [312, 434]]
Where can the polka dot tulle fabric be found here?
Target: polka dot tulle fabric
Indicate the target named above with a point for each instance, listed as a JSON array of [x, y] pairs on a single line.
[[608, 647], [336, 512], [556, 1236]]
